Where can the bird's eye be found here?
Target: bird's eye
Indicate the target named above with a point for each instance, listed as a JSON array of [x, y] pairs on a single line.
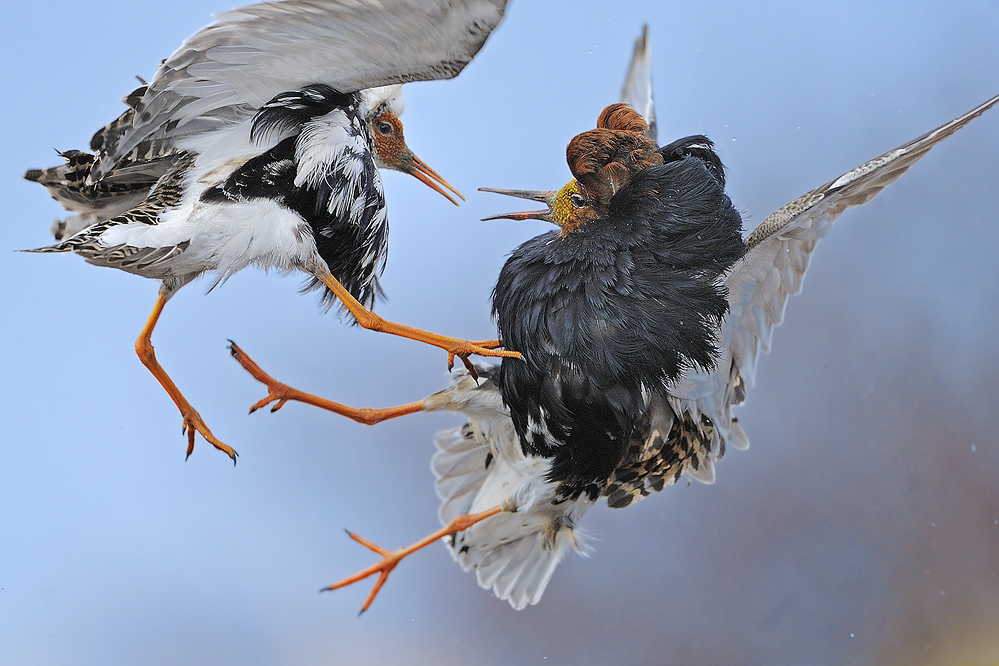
[[384, 128], [577, 201]]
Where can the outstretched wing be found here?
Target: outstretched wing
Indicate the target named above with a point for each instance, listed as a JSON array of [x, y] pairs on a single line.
[[780, 248], [637, 89], [225, 71], [698, 424]]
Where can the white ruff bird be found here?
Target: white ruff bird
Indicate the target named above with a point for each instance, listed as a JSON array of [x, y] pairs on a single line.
[[256, 144], [511, 504]]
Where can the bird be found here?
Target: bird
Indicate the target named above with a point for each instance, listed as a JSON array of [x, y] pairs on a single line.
[[257, 143], [128, 183], [683, 430], [518, 476]]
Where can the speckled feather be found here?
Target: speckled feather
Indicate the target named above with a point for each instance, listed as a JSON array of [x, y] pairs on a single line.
[[165, 194]]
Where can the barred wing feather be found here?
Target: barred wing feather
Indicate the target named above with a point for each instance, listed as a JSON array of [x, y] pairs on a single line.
[[779, 250]]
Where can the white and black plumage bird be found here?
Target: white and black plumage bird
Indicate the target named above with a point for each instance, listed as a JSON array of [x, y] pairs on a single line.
[[605, 405], [257, 144]]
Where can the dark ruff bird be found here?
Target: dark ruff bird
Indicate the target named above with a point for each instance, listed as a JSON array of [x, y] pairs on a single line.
[[503, 497], [616, 306]]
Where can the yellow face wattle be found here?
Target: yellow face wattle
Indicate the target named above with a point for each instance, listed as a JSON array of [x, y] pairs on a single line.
[[562, 209], [571, 208]]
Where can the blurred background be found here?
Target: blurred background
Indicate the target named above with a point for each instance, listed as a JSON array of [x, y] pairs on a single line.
[[862, 527]]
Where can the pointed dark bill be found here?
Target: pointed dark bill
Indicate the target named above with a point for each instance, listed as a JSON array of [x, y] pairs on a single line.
[[533, 195], [419, 169]]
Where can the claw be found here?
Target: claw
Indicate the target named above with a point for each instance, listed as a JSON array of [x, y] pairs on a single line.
[[482, 348], [277, 392], [192, 426], [190, 439], [383, 568], [470, 367]]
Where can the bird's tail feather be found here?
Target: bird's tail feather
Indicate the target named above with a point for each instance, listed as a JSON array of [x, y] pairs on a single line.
[[72, 225], [513, 553], [459, 467], [66, 182], [513, 559], [123, 189]]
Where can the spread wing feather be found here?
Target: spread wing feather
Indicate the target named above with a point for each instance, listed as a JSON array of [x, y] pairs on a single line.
[[773, 269], [781, 246], [225, 71], [637, 89]]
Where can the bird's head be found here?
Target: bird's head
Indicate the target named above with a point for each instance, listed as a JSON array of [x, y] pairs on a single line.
[[570, 208], [392, 152]]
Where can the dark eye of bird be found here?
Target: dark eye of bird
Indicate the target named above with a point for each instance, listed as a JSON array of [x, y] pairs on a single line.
[[385, 128], [577, 200]]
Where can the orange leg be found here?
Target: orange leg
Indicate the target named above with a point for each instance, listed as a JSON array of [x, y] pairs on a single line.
[[192, 420], [454, 347], [391, 558], [281, 393]]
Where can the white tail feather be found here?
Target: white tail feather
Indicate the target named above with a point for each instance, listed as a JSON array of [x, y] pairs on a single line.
[[459, 467], [514, 556], [480, 465]]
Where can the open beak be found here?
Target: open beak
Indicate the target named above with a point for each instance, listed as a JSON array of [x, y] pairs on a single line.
[[414, 166], [544, 197]]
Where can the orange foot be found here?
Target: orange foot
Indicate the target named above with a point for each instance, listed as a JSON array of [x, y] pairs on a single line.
[[192, 420], [194, 424], [391, 558], [482, 348], [279, 394]]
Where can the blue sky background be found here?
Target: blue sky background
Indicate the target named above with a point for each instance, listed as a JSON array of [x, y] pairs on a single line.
[[862, 527]]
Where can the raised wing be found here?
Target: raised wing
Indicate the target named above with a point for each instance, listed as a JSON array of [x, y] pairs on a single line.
[[637, 89], [779, 250], [221, 74]]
